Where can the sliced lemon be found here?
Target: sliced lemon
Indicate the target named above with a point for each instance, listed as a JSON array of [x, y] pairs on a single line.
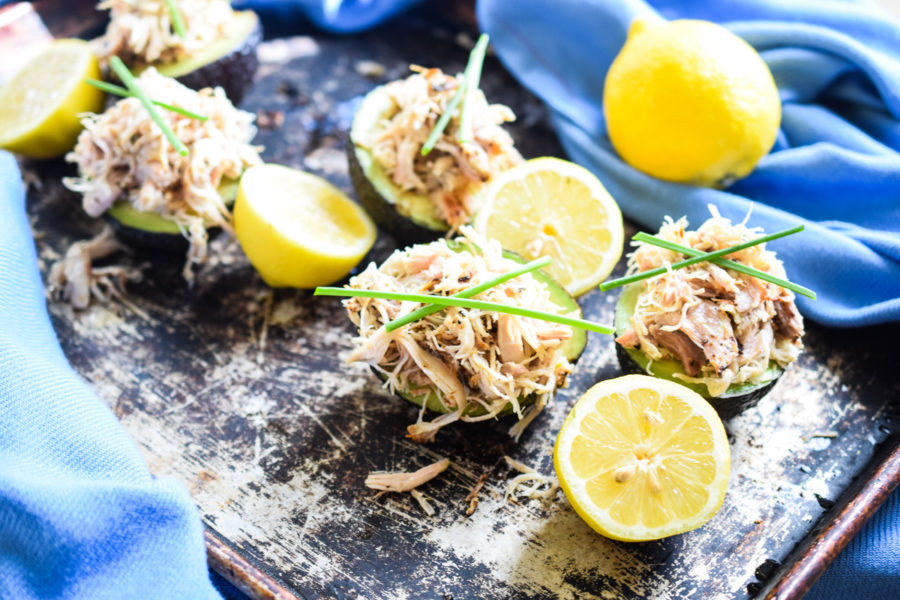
[[642, 458], [41, 104], [297, 229], [548, 206]]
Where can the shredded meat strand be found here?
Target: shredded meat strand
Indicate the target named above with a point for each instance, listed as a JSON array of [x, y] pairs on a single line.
[[452, 172], [77, 281], [724, 326]]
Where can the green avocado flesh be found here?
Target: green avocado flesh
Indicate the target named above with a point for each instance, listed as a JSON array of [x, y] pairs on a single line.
[[737, 397], [243, 24], [153, 222], [384, 200], [573, 347]]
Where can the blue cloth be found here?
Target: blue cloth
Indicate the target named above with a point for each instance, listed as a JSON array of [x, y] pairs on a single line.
[[338, 16], [80, 514], [835, 167]]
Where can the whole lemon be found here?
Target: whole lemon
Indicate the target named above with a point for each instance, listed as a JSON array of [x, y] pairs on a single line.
[[690, 102]]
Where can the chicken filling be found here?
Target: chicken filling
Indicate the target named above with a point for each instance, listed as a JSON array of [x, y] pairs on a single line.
[[475, 362], [452, 173], [724, 327], [141, 32], [123, 156]]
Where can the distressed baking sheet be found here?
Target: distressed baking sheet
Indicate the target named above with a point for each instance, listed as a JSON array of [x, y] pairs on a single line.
[[242, 394]]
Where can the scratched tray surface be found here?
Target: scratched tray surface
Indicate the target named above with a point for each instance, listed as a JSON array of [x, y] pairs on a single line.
[[243, 395]]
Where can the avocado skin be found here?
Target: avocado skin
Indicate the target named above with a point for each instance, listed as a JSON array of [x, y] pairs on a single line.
[[726, 405], [233, 72], [404, 230]]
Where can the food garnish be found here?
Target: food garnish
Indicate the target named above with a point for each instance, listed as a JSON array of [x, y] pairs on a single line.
[[177, 21], [691, 102], [642, 458], [471, 362], [713, 257], [297, 229], [124, 159], [552, 207], [40, 106], [120, 91], [530, 483], [468, 293], [723, 333], [407, 161], [135, 90]]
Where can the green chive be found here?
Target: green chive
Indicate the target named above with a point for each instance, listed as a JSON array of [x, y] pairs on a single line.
[[441, 124], [473, 74], [713, 257], [177, 21], [128, 79], [473, 79], [468, 293], [467, 303], [120, 91]]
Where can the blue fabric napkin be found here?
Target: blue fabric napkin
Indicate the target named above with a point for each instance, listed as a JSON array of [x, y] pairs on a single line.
[[835, 167], [80, 514]]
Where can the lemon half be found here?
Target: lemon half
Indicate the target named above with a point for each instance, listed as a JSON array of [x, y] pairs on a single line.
[[642, 458], [549, 206], [297, 229], [41, 104]]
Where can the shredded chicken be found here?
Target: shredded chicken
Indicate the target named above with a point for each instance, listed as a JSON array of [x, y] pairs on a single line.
[[408, 482], [122, 155], [452, 172], [466, 359], [724, 326], [542, 487], [76, 280], [141, 33]]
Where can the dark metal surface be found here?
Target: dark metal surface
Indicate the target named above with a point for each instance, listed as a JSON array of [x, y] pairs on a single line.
[[242, 393]]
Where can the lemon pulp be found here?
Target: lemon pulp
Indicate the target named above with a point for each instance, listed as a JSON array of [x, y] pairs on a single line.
[[642, 458], [548, 206]]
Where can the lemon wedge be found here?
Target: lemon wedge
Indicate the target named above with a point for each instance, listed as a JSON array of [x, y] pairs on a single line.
[[41, 104], [297, 229], [642, 458], [548, 206]]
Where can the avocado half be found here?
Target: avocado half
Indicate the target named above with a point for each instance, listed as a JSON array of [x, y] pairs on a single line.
[[229, 62], [410, 217], [150, 229], [573, 347], [736, 399]]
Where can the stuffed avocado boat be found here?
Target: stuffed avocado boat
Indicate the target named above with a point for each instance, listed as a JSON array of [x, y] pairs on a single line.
[[203, 44], [129, 171], [418, 196], [471, 365], [726, 335]]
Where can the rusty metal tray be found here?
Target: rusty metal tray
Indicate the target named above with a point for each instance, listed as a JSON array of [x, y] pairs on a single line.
[[241, 394]]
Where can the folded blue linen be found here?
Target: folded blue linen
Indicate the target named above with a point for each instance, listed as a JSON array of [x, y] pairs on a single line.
[[836, 164]]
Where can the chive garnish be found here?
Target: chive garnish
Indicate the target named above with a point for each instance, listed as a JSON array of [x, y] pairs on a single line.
[[473, 79], [476, 57], [120, 91], [441, 124], [468, 293], [177, 21], [128, 79], [467, 303], [699, 256]]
